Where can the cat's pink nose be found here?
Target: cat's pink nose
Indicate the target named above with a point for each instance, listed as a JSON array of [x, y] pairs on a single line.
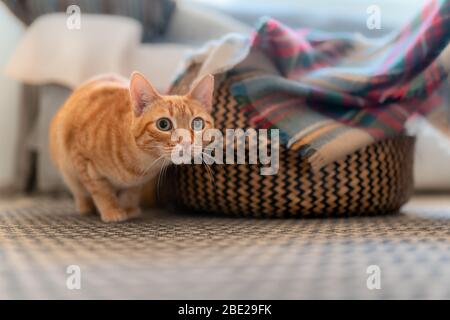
[[186, 147], [185, 144]]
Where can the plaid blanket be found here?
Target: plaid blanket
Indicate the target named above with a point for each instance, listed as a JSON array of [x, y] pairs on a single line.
[[335, 93]]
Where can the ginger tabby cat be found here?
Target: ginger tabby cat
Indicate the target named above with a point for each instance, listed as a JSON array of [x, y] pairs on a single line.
[[113, 135]]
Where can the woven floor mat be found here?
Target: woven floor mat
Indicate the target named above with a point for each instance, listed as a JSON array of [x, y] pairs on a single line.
[[169, 255]]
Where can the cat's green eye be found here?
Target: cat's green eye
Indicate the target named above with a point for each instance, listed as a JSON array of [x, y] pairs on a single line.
[[198, 124], [164, 124]]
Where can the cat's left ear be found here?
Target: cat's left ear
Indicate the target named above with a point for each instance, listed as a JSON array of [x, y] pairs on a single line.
[[203, 91], [142, 93]]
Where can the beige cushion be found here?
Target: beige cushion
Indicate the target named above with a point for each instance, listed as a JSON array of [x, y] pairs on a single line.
[[69, 57]]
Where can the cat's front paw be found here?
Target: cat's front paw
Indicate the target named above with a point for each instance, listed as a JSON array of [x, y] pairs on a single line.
[[133, 212], [114, 215], [119, 215]]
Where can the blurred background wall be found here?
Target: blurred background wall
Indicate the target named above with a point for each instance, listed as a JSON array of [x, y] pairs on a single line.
[[329, 15], [10, 32]]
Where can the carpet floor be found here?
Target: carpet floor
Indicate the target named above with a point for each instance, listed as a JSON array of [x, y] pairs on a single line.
[[169, 254]]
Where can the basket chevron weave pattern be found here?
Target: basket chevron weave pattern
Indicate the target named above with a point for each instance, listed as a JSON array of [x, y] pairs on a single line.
[[375, 180]]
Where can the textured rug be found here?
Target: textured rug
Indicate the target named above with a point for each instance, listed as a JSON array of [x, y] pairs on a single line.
[[174, 255]]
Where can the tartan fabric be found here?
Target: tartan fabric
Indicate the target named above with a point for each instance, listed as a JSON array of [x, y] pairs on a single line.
[[336, 93]]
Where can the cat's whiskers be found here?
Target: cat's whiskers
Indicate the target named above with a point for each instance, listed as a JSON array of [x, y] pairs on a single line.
[[210, 173], [161, 177], [147, 169], [208, 167]]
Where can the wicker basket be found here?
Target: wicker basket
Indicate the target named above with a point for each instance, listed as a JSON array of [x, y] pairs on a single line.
[[377, 179]]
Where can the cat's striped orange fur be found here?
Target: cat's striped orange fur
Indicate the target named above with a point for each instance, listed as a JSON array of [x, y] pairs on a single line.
[[107, 139]]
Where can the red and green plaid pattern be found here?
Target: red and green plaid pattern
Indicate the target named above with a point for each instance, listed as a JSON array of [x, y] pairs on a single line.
[[335, 93]]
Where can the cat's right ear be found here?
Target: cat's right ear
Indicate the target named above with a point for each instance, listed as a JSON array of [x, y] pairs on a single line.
[[142, 93]]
